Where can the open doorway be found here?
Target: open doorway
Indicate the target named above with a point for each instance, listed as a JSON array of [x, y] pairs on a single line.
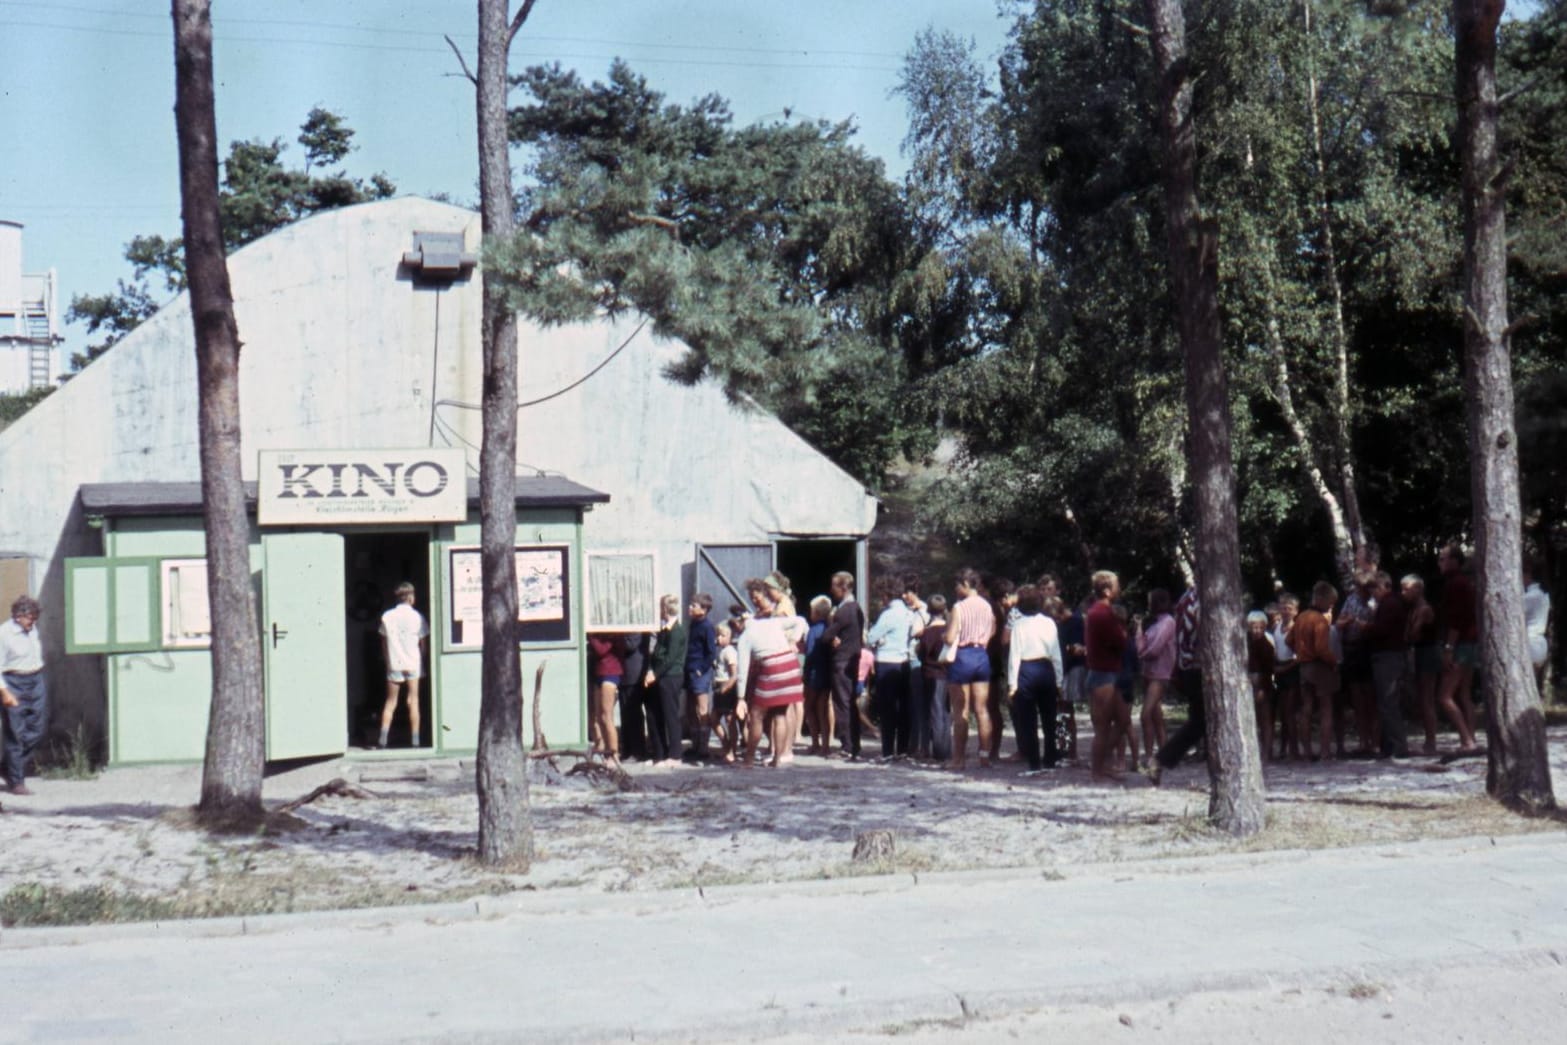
[[810, 564], [374, 565]]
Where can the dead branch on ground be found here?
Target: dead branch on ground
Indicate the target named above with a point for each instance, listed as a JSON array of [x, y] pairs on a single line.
[[336, 786]]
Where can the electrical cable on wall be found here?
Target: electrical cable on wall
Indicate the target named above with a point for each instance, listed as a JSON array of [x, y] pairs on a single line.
[[449, 431], [435, 361]]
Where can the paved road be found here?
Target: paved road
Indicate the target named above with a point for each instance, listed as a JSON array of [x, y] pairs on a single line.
[[815, 958]]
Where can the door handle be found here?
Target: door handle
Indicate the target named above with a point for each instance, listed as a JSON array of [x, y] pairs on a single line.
[[278, 633]]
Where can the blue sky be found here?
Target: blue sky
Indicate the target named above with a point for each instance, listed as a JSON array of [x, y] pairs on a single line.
[[87, 90]]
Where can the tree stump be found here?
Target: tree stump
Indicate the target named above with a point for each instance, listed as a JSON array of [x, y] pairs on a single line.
[[874, 847]]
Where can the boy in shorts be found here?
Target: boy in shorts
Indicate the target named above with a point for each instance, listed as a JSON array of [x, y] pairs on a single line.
[[404, 638], [701, 656], [725, 702]]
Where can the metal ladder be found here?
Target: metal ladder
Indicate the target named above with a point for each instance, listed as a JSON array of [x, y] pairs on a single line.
[[41, 344]]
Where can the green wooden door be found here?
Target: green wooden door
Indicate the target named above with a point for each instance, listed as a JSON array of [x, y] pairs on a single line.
[[302, 633]]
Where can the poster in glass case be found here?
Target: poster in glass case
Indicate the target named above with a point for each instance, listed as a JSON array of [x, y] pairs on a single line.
[[543, 595]]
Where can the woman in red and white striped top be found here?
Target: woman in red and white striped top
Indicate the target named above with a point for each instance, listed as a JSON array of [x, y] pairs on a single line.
[[970, 626], [769, 676]]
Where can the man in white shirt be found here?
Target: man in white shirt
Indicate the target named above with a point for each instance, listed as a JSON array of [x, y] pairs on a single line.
[[24, 696], [404, 637]]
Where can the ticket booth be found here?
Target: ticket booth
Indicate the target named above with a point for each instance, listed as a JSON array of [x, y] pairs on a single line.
[[324, 573]]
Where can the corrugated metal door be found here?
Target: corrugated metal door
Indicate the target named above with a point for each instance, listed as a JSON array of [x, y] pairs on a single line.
[[722, 570]]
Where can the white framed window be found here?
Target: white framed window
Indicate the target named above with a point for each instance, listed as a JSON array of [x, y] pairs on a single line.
[[186, 613], [622, 591]]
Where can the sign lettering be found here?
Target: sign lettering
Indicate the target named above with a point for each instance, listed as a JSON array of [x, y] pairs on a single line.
[[361, 486]]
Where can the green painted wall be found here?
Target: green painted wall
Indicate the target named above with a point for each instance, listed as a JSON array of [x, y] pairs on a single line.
[[564, 686], [158, 701]]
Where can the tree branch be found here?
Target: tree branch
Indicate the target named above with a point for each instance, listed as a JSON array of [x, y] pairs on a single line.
[[668, 225], [463, 62], [1498, 181], [1523, 322], [1133, 26], [516, 23], [1523, 88]]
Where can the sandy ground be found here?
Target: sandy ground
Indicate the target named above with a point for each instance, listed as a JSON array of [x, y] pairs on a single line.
[[129, 830]]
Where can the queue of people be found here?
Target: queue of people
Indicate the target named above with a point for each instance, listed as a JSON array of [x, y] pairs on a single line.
[[1366, 658], [932, 667]]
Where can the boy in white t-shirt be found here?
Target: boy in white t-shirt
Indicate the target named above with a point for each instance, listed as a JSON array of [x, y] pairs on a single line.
[[725, 698], [404, 637]]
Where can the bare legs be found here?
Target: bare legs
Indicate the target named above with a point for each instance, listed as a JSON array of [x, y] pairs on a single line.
[[1124, 731], [1311, 695], [701, 723], [1453, 696], [1425, 683], [778, 723], [813, 721], [780, 733], [964, 698], [755, 720], [388, 709], [1289, 718], [604, 718], [1264, 701], [1103, 705], [992, 705], [1364, 696], [1153, 714], [783, 753]]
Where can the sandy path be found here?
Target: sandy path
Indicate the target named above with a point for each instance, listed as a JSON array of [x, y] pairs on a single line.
[[128, 830]]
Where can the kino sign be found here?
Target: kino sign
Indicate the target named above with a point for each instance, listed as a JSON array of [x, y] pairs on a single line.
[[332, 487]]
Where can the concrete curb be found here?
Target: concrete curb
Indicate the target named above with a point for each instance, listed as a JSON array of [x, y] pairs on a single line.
[[978, 1007], [576, 902]]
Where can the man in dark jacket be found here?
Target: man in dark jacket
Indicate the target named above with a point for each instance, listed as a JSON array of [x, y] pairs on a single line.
[[845, 633], [666, 677], [633, 697]]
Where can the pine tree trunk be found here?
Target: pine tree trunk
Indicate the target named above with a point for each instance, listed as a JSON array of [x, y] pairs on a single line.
[[501, 778], [1236, 802], [1520, 773], [236, 723]]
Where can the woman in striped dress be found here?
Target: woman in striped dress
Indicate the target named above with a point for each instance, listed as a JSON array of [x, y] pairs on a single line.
[[770, 680], [969, 628]]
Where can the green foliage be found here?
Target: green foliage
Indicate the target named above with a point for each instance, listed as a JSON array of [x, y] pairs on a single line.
[[32, 904], [259, 195], [77, 757], [14, 406], [326, 138], [1533, 63], [780, 254], [1064, 391], [1062, 388]]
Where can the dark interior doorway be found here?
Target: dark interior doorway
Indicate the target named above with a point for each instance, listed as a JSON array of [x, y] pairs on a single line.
[[810, 564], [375, 564]]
